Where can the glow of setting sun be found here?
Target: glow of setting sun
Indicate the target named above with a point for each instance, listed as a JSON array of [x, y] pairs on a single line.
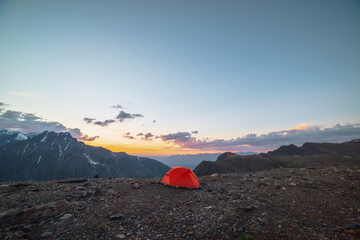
[[303, 126]]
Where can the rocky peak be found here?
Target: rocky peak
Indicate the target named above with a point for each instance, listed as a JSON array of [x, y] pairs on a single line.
[[226, 155]]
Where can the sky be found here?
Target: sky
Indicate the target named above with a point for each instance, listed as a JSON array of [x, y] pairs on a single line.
[[180, 77]]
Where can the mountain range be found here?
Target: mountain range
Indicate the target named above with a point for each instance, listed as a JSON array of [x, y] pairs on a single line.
[[315, 155], [51, 155]]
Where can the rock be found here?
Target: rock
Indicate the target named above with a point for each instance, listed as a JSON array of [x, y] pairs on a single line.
[[219, 189], [117, 216], [83, 194], [209, 207], [353, 226], [292, 184], [121, 236], [33, 214], [249, 208], [96, 176], [214, 176], [20, 184], [67, 189], [238, 227], [353, 232], [336, 229], [127, 221], [80, 189], [136, 185], [110, 191], [66, 216], [73, 180], [97, 192], [46, 234], [28, 227]]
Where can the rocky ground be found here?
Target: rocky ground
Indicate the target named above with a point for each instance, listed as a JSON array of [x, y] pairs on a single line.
[[272, 204]]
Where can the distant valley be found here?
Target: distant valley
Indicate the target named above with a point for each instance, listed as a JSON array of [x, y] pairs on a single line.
[[192, 160]]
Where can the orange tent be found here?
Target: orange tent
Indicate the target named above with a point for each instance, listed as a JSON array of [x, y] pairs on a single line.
[[181, 177]]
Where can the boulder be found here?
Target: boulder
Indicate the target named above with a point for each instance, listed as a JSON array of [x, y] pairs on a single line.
[[33, 214]]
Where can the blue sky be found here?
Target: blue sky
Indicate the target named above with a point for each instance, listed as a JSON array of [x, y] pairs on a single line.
[[222, 68]]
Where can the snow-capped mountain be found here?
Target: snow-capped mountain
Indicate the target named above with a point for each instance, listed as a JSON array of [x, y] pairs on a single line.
[[7, 136], [51, 155]]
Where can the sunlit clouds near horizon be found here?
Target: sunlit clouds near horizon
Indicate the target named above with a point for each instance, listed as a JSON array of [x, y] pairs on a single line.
[[184, 142]]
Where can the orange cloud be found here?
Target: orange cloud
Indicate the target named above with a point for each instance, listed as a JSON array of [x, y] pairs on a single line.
[[303, 126]]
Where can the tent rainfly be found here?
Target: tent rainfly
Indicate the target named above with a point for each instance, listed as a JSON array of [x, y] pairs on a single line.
[[181, 177]]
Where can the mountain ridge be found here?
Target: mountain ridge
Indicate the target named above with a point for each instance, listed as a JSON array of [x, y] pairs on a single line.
[[307, 155], [52, 155]]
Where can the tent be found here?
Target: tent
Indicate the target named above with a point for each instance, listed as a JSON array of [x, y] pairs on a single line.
[[181, 177]]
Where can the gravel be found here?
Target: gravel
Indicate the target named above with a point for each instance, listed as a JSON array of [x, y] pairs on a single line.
[[279, 203]]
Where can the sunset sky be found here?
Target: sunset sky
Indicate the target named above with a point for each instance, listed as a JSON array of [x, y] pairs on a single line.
[[182, 77]]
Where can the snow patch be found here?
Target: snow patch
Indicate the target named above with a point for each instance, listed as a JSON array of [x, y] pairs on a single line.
[[25, 149], [21, 136], [67, 145], [39, 160], [60, 152], [89, 159], [54, 140], [44, 138], [4, 132]]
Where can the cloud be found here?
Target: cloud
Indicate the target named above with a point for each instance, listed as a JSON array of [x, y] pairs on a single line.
[[99, 123], [117, 106], [178, 138], [123, 116], [86, 138], [11, 115], [195, 132], [128, 136], [303, 126], [29, 95], [269, 141], [30, 117], [104, 123], [29, 122], [147, 137], [89, 120], [140, 134], [154, 121], [2, 106], [76, 133]]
